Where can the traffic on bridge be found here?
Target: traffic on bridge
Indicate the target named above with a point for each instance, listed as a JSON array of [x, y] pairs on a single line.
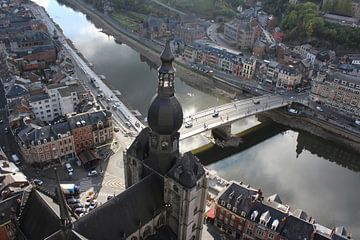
[[227, 113]]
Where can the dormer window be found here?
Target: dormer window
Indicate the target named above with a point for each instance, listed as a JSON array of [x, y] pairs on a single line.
[[228, 206], [222, 203]]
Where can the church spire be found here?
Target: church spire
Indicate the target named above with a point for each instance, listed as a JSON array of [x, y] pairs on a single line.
[[166, 72]]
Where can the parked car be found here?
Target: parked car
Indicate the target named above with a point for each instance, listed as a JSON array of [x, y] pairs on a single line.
[[116, 129], [256, 101], [80, 210], [87, 202], [72, 200], [93, 205], [69, 168], [357, 122], [1, 121], [38, 182], [319, 109], [78, 162], [76, 205], [92, 173]]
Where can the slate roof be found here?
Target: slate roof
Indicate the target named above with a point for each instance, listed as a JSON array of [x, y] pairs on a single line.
[[66, 235], [238, 196], [122, 215], [46, 223], [187, 170], [273, 213], [89, 118], [39, 97], [140, 146], [296, 228], [9, 208], [163, 233], [16, 91]]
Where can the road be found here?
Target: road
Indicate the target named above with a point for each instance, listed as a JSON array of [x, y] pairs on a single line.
[[136, 125], [230, 112], [168, 7]]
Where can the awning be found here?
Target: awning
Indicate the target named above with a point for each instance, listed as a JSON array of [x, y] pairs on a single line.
[[211, 213]]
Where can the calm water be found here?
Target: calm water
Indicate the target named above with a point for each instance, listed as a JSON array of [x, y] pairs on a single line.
[[306, 171]]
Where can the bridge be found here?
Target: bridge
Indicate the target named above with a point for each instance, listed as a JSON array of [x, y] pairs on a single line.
[[219, 118]]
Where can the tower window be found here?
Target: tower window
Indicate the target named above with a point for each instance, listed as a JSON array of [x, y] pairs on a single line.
[[164, 145], [176, 189]]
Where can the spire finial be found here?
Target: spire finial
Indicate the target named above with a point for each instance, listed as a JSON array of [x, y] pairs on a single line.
[[64, 214], [166, 55]]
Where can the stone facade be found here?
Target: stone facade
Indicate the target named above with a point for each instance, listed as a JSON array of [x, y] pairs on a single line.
[[337, 90]]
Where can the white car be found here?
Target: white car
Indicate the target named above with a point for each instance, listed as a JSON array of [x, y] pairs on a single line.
[[188, 124], [357, 122], [92, 173], [319, 109]]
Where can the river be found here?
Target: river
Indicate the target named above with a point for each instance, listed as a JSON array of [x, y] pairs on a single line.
[[307, 172]]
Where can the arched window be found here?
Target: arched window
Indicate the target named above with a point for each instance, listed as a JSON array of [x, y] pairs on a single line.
[[193, 227], [134, 238], [161, 221], [195, 210]]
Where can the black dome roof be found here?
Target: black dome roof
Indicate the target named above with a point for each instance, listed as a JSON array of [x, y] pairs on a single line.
[[165, 115]]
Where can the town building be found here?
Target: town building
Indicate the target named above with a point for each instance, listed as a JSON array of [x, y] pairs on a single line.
[[248, 68], [63, 141], [188, 33], [57, 100], [288, 77], [90, 129], [240, 33], [338, 90], [243, 213], [40, 145]]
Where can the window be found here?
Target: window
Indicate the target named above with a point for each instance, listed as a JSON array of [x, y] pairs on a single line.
[[193, 227], [228, 206], [195, 210]]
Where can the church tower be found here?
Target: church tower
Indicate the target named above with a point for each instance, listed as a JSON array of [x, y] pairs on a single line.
[[156, 150]]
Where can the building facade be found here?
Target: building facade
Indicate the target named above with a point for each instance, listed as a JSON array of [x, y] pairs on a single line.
[[337, 90]]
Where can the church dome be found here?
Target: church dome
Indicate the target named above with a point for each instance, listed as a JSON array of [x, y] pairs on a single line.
[[165, 115]]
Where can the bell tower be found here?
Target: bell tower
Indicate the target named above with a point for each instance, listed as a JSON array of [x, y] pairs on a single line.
[[165, 117]]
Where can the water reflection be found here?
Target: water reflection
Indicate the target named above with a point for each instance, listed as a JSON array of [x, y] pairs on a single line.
[[305, 180], [291, 163]]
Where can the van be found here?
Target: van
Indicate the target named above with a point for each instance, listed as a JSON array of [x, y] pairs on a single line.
[[69, 167], [15, 159]]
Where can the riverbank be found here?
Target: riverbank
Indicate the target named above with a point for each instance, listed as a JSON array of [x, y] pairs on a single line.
[[109, 26], [316, 127], [207, 84]]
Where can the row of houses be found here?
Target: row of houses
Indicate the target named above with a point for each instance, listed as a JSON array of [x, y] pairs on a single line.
[[338, 89], [244, 213], [223, 59], [65, 140]]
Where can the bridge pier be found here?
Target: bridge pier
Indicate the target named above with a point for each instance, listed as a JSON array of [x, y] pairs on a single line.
[[223, 132]]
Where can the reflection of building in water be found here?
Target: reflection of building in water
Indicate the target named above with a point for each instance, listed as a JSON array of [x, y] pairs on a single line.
[[150, 63], [327, 150]]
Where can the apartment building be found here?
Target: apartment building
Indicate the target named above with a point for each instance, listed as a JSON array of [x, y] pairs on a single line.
[[39, 145], [338, 90], [288, 77], [242, 212], [90, 129]]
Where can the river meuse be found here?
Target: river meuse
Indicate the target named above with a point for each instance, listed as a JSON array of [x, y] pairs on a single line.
[[307, 172]]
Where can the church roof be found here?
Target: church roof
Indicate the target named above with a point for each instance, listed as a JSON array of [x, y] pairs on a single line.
[[47, 222], [63, 234], [125, 213], [187, 170]]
